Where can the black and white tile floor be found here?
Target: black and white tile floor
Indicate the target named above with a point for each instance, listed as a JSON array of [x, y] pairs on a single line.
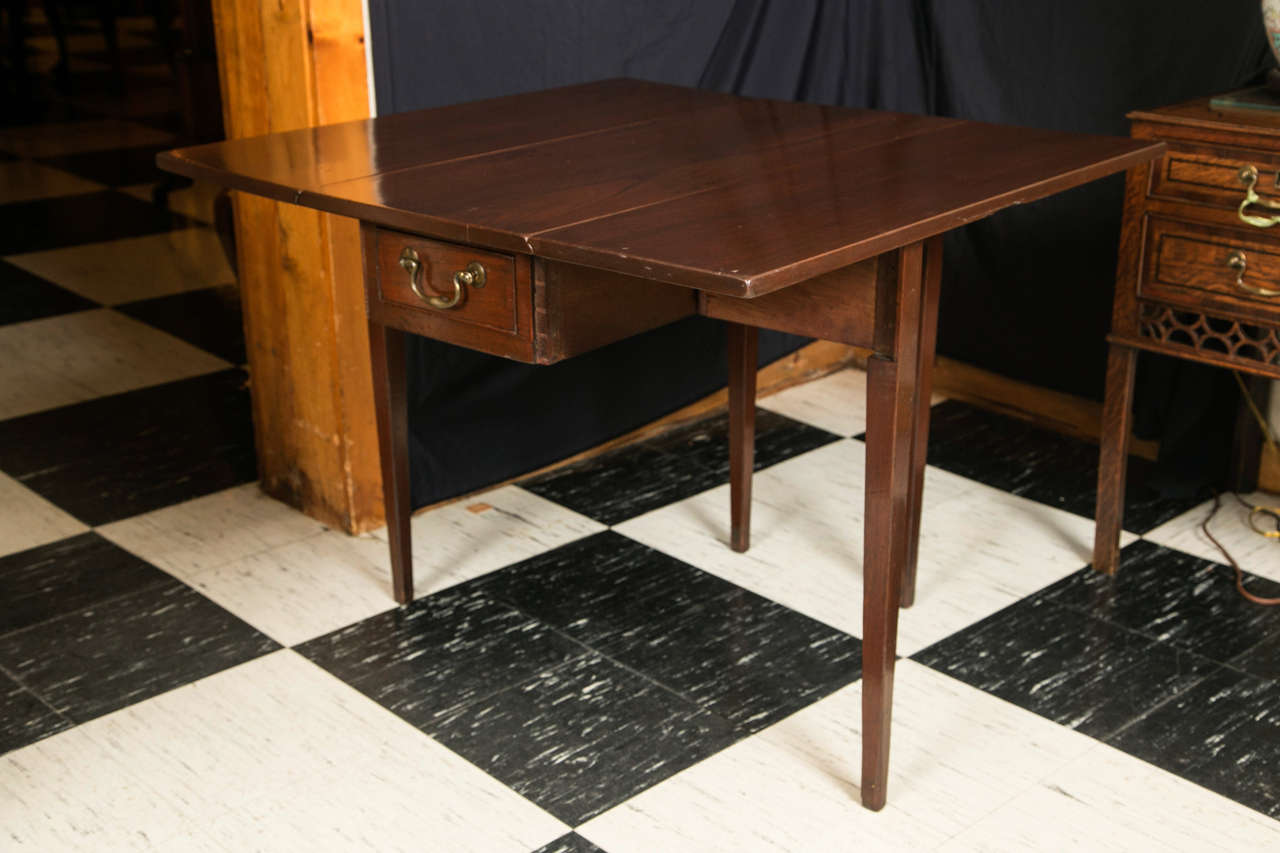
[[186, 664]]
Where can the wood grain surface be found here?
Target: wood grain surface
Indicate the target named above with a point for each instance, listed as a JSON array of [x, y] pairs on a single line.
[[729, 195], [285, 66]]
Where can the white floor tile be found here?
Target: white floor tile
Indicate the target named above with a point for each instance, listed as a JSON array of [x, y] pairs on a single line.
[[28, 520], [278, 755], [422, 798], [469, 538], [969, 772], [302, 590], [75, 357], [119, 271], [69, 792], [1254, 553], [957, 754], [52, 140], [1109, 801], [756, 796], [293, 580], [980, 549], [836, 403], [23, 180], [188, 538]]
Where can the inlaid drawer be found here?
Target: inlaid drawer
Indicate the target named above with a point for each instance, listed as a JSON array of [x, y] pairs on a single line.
[[1223, 177], [1203, 267], [459, 294]]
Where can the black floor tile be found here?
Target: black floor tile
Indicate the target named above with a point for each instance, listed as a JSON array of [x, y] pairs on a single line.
[[24, 296], [778, 438], [130, 57], [1045, 466], [115, 167], [169, 121], [623, 483], [24, 719], [641, 477], [602, 585], [581, 738], [1175, 598], [1077, 670], [37, 106], [582, 676], [1224, 734], [52, 223], [570, 843], [746, 658], [56, 579], [118, 456], [440, 653], [120, 651], [739, 655], [1262, 660], [103, 89], [210, 319]]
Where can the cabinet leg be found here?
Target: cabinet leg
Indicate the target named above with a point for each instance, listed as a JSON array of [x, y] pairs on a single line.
[[387, 355], [742, 430], [1113, 454], [927, 340]]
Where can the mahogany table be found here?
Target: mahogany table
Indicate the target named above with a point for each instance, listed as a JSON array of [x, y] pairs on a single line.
[[543, 225]]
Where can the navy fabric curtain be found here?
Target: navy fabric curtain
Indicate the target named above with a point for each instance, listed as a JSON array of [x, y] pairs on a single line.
[[1014, 299]]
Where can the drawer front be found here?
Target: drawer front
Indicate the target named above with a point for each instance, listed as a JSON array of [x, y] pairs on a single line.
[[1213, 175], [1221, 269], [491, 304], [494, 315]]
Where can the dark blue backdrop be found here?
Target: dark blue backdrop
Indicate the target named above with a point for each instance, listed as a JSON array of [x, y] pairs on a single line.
[[1026, 293]]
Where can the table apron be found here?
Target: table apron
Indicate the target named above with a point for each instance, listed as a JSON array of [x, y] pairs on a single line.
[[563, 310]]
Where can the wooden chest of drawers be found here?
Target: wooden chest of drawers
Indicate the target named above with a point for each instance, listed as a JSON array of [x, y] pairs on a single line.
[[1199, 268]]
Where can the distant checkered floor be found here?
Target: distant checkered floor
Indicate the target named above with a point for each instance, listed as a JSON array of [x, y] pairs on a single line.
[[186, 664]]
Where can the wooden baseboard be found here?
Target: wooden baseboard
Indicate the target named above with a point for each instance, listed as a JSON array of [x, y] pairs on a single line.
[[1065, 413], [1269, 471]]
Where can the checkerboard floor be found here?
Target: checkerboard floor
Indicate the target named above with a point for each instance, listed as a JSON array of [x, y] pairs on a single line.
[[186, 664]]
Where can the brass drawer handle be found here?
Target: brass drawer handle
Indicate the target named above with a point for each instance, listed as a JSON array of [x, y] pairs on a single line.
[[1238, 262], [472, 276], [1248, 176]]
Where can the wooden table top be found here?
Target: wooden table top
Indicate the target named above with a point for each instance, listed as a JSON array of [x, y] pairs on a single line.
[[731, 195]]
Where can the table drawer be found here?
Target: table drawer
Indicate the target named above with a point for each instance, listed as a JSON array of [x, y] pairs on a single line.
[[461, 285], [1201, 266], [1221, 177]]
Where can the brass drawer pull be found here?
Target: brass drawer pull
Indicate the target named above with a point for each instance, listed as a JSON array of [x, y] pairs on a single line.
[[1238, 262], [1248, 176], [472, 276]]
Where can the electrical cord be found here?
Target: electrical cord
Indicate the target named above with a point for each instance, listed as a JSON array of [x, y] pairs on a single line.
[[1254, 511], [1271, 514]]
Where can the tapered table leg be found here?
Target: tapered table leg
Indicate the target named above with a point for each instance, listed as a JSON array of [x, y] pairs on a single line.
[[927, 336], [1113, 453], [891, 431], [742, 430], [386, 347]]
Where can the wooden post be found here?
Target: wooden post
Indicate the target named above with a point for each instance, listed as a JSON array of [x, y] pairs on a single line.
[[286, 64]]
